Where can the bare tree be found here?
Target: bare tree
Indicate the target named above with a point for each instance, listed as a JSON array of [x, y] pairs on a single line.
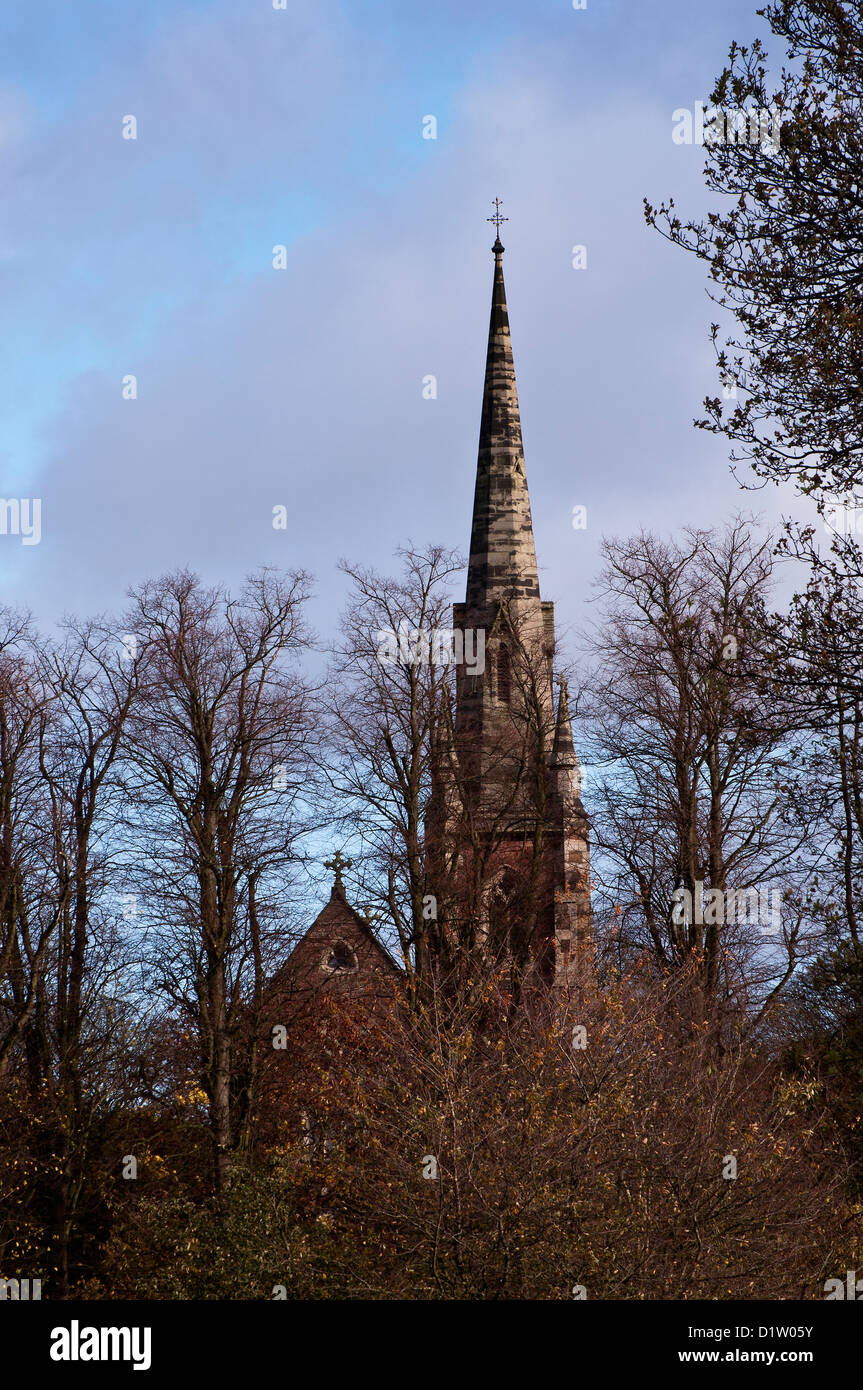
[[92, 686], [388, 696], [32, 899], [815, 675], [690, 805], [217, 754]]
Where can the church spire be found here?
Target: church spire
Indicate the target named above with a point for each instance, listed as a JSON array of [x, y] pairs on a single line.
[[563, 763], [563, 750], [502, 555], [495, 776]]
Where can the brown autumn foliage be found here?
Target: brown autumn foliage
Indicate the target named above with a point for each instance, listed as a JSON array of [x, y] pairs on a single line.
[[464, 1154]]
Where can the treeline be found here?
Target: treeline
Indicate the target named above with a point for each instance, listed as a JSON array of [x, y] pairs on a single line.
[[162, 779], [149, 774]]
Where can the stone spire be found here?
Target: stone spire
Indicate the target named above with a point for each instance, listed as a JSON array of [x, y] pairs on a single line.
[[502, 554], [563, 751], [563, 762], [488, 779]]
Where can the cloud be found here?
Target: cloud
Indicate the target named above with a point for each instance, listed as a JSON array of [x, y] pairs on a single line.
[[302, 387]]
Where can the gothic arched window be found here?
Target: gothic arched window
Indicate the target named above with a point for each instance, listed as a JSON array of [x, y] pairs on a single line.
[[503, 903], [504, 680]]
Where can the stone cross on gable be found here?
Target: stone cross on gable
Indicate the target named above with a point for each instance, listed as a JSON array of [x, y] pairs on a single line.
[[337, 863]]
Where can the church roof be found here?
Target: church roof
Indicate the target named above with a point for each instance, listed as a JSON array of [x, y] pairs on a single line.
[[336, 923]]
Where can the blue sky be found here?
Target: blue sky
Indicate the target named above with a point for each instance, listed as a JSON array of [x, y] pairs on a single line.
[[303, 386]]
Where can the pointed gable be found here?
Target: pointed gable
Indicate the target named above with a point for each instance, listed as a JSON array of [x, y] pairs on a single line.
[[339, 956]]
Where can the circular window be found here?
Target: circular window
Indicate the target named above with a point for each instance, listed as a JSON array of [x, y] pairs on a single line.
[[339, 959]]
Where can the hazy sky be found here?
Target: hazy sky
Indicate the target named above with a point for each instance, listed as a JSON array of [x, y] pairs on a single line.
[[302, 386]]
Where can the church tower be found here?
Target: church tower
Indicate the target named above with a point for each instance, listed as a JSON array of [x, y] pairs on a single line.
[[508, 785]]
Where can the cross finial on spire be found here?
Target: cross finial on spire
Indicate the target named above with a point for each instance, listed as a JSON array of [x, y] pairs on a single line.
[[497, 219], [337, 863]]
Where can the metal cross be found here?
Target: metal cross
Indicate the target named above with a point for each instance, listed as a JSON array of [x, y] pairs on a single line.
[[337, 863], [497, 219]]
